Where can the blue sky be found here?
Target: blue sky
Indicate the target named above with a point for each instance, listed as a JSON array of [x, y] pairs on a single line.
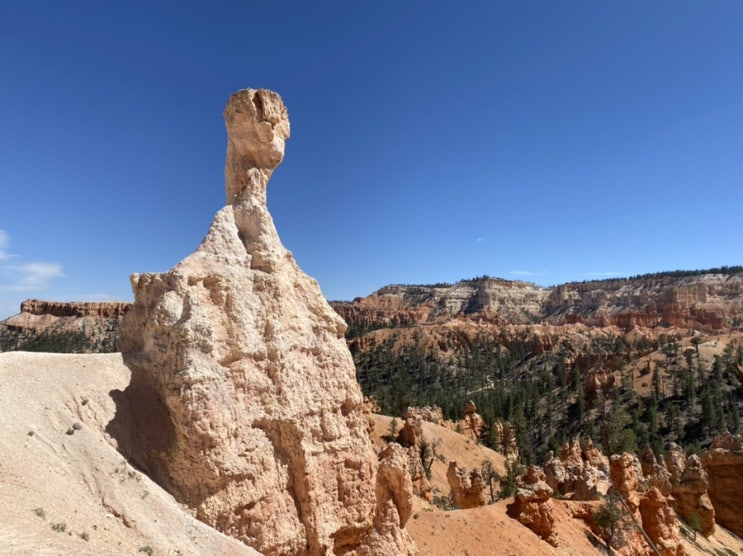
[[431, 141]]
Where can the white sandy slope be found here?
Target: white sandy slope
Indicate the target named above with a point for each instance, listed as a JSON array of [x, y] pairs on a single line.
[[49, 477]]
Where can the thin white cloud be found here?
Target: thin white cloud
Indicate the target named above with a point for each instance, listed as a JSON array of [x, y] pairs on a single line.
[[27, 277], [19, 278], [479, 239], [4, 242], [31, 276], [524, 273]]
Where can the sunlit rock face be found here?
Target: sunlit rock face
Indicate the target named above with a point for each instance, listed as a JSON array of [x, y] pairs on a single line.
[[255, 416]]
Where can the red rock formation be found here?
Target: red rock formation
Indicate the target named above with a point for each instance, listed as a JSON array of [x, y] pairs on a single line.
[[467, 487], [533, 506], [627, 478], [471, 423], [656, 473], [706, 302], [723, 464], [102, 309], [411, 437], [393, 509], [691, 499], [659, 523], [79, 327], [412, 429], [675, 460], [578, 474], [648, 506]]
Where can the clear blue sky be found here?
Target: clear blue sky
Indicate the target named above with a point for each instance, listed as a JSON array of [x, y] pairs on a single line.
[[431, 141]]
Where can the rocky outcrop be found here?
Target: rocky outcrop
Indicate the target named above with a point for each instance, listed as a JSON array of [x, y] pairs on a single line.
[[412, 428], [242, 365], [578, 474], [472, 423], [78, 327], [647, 505], [627, 479], [533, 505], [411, 437], [428, 413], [467, 487], [101, 309], [675, 460], [394, 495], [703, 301], [655, 472], [659, 523], [691, 499], [723, 464]]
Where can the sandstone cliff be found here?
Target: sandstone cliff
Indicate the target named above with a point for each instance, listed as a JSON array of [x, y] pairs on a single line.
[[709, 302], [705, 301], [81, 327], [723, 464], [243, 364]]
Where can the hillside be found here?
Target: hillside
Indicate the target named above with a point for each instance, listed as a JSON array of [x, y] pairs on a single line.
[[660, 355], [66, 489]]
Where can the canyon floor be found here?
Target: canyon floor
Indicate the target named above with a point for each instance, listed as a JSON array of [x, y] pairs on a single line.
[[66, 489]]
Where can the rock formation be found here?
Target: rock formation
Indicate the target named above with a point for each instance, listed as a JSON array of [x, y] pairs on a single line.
[[239, 359], [579, 474], [691, 500], [411, 437], [467, 487], [533, 505], [675, 460], [79, 327], [655, 472], [648, 507], [703, 301], [472, 422], [723, 464], [659, 523], [627, 479]]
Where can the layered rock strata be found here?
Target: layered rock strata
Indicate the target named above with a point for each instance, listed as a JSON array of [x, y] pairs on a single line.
[[243, 364], [76, 327], [723, 464], [705, 301]]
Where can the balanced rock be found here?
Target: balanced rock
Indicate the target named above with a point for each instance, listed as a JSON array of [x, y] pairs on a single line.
[[242, 385]]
